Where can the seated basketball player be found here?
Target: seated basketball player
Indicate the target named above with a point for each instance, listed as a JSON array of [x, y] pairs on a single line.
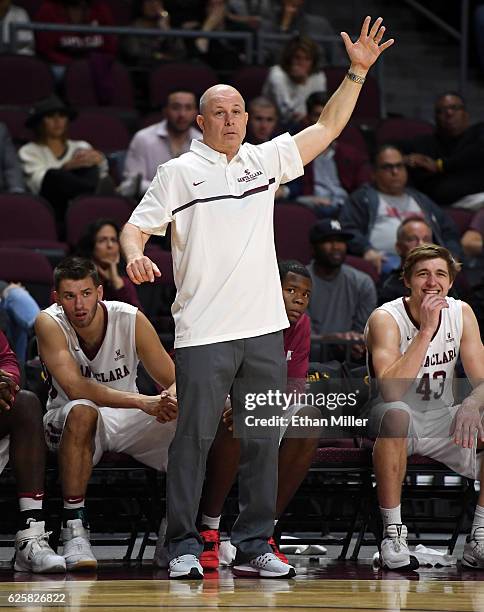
[[413, 345], [295, 454], [91, 350], [22, 441]]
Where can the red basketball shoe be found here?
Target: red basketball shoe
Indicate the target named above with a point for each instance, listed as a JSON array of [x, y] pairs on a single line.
[[211, 542], [276, 550]]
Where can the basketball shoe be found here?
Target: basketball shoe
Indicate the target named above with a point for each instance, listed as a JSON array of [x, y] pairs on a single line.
[[185, 566], [276, 551], [266, 565], [394, 553], [209, 559], [77, 549], [474, 549], [33, 553]]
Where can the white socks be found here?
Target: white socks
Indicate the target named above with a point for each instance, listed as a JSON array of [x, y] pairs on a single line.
[[391, 516], [212, 522]]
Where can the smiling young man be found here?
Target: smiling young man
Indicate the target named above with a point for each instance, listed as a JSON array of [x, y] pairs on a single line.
[[91, 350], [413, 346], [219, 199]]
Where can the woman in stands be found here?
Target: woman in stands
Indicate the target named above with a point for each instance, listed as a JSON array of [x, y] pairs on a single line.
[[101, 244], [55, 167], [297, 76]]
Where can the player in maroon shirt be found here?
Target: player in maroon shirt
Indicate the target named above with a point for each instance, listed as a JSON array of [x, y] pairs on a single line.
[[22, 442], [295, 453]]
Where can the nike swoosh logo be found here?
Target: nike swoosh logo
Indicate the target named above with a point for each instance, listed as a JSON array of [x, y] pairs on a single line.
[[199, 183]]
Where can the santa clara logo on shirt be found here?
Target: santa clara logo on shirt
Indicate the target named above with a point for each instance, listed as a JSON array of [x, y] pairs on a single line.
[[117, 355], [249, 176]]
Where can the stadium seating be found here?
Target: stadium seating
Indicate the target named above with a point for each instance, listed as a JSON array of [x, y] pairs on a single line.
[[14, 119], [167, 77], [29, 79], [249, 81], [80, 90], [28, 222], [398, 129], [30, 268], [86, 209], [102, 129], [367, 108], [291, 230]]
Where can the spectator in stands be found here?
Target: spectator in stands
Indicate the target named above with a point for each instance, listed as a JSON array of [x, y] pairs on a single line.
[[185, 14], [263, 120], [342, 297], [297, 76], [61, 48], [161, 142], [11, 178], [22, 440], [10, 13], [55, 167], [412, 232], [147, 51], [447, 165], [20, 310], [100, 243], [247, 14], [221, 54], [472, 239], [290, 17], [338, 171], [374, 212]]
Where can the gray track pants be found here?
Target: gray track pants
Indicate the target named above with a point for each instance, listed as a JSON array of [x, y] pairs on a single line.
[[205, 375]]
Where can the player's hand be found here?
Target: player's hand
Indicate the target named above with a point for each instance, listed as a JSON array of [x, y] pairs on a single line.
[[365, 51], [228, 415], [8, 388], [142, 269], [466, 422], [430, 312], [168, 407]]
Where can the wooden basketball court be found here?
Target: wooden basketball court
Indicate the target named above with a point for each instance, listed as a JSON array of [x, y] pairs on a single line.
[[328, 585]]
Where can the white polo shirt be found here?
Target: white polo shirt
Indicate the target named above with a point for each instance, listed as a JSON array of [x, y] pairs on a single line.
[[222, 236]]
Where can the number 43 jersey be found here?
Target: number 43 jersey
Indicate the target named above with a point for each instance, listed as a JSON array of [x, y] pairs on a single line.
[[434, 382]]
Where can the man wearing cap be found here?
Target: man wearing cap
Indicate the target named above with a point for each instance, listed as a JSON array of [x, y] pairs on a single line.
[[56, 167], [343, 297]]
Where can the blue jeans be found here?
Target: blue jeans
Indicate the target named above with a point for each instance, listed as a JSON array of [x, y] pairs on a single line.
[[21, 310]]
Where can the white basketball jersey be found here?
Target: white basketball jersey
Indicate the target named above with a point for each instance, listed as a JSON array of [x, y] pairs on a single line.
[[434, 378], [115, 363]]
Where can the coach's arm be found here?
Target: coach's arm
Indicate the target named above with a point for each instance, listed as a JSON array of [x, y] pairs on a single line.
[[313, 140], [58, 360]]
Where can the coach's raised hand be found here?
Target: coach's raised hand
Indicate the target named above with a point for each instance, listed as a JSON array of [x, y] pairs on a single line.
[[366, 50]]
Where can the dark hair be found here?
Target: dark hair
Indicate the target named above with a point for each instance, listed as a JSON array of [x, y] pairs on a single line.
[[262, 101], [75, 268], [306, 44], [411, 219], [87, 242], [456, 94], [317, 98], [430, 251], [175, 90], [385, 147], [294, 266]]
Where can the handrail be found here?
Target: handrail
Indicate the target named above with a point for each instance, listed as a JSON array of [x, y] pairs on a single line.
[[461, 36], [246, 37]]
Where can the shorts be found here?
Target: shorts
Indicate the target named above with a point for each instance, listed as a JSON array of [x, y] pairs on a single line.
[[120, 430], [4, 452], [428, 435]]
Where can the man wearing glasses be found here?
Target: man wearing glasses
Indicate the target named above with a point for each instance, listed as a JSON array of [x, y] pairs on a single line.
[[447, 164], [374, 212]]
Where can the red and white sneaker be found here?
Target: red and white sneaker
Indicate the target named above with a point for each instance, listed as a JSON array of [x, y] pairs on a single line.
[[276, 550], [266, 565], [209, 559]]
